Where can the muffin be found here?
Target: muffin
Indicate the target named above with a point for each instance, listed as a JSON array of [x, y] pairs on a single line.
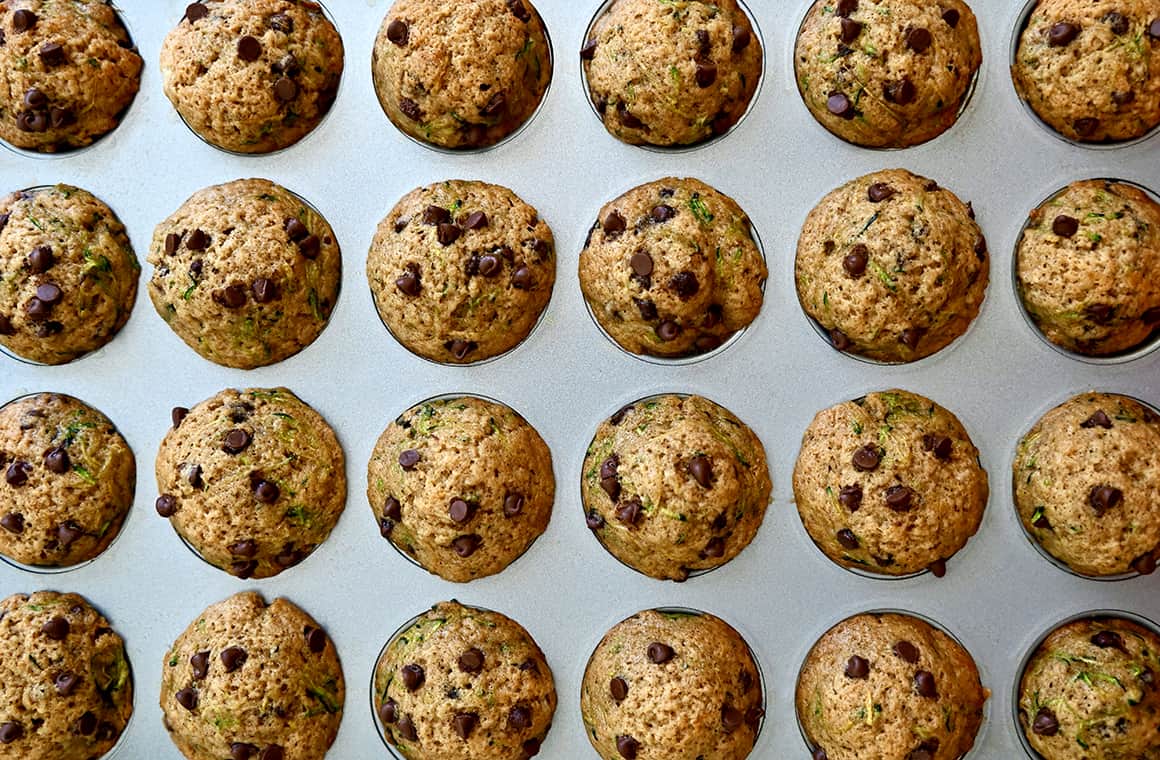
[[891, 266], [1089, 692], [461, 75], [887, 73], [889, 686], [674, 485], [671, 269], [1088, 68], [253, 480], [1085, 480], [461, 485], [254, 681], [69, 480], [1087, 267], [70, 274], [68, 74], [463, 683], [670, 683], [246, 273], [252, 76], [461, 270], [889, 483], [671, 74], [66, 691]]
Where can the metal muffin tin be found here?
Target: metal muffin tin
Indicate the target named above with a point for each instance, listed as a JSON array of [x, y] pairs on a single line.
[[781, 594]]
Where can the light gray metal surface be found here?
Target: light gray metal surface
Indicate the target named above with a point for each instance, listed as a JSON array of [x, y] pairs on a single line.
[[999, 594]]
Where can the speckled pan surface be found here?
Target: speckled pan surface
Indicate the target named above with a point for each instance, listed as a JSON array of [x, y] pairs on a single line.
[[781, 594]]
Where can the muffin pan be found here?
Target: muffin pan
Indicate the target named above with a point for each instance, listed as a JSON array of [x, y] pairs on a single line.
[[999, 595]]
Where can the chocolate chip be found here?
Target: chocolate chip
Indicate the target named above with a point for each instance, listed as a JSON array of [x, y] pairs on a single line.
[[6, 326], [4, 221], [668, 330], [1145, 564], [242, 751], [850, 497], [34, 98], [68, 532], [706, 74], [410, 109], [855, 261], [924, 684], [13, 522], [1147, 677], [413, 676], [408, 284], [56, 628], [273, 752], [244, 570], [23, 20], [899, 498], [714, 549], [245, 548], [918, 39], [701, 468], [389, 712], [165, 505], [731, 718], [266, 492], [1150, 317], [938, 568], [66, 683], [315, 639], [613, 225], [588, 51], [1109, 640], [593, 520], [951, 16], [519, 717], [1098, 419], [86, 724], [398, 32], [847, 539], [939, 445], [447, 233], [522, 278], [57, 461], [236, 441], [713, 316], [925, 751], [197, 241], [819, 754], [1123, 98], [911, 336], [902, 92], [49, 293], [249, 49], [659, 653], [195, 12], [519, 10], [494, 105], [10, 731], [264, 290], [471, 661], [850, 30], [460, 348], [1104, 498], [641, 263], [407, 728], [627, 746], [285, 89], [177, 415], [1085, 127], [660, 214], [310, 246], [409, 458], [844, 8], [461, 511], [1061, 34], [880, 191], [465, 546], [489, 265], [839, 105], [17, 473], [194, 477], [906, 650], [52, 54], [1045, 723], [741, 38], [629, 512], [866, 459], [233, 658], [857, 667], [464, 724], [280, 22], [1154, 29], [1117, 21], [685, 284], [618, 688], [476, 220], [513, 504], [295, 229]]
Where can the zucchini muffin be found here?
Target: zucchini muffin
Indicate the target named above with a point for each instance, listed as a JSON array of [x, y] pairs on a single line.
[[889, 686], [461, 270], [887, 73], [671, 684], [1088, 68], [68, 74], [1087, 267], [461, 75], [1089, 692], [461, 485], [889, 483], [66, 690], [69, 271], [671, 269], [674, 485], [463, 683], [252, 76], [252, 480], [69, 480], [671, 74], [251, 681], [891, 266], [1086, 478], [246, 273]]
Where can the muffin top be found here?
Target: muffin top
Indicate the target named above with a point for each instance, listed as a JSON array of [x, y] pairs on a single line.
[[1086, 477], [1088, 67], [463, 683], [671, 73], [1088, 267], [675, 484], [461, 75], [1089, 692], [889, 686], [887, 73], [68, 74], [252, 76], [892, 266]]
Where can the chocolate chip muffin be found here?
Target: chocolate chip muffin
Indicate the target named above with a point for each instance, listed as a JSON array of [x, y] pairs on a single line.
[[461, 75], [671, 269], [674, 485], [889, 686], [69, 480], [887, 73], [1087, 267], [1086, 477], [246, 273], [892, 266], [461, 270], [252, 76], [461, 485], [66, 691], [671, 74], [671, 683], [69, 271], [463, 683], [251, 680], [1088, 68], [252, 480], [1089, 692], [68, 74], [889, 483]]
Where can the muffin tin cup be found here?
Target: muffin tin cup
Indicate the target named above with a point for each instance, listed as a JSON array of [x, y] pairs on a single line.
[[1098, 614], [1021, 23], [1139, 351], [675, 150]]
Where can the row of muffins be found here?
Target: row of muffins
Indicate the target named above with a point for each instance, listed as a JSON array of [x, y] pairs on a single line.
[[250, 680], [888, 484], [255, 76], [890, 266]]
